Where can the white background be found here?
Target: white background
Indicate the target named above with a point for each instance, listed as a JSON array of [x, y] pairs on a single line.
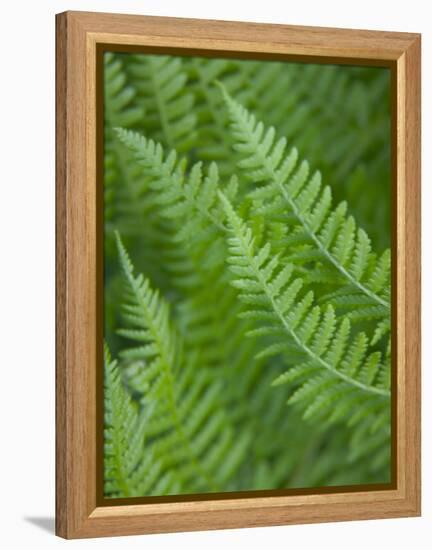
[[27, 271]]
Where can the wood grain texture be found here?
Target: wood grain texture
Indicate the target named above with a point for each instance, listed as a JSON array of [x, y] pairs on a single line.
[[412, 263], [76, 283], [61, 383], [255, 37], [78, 34]]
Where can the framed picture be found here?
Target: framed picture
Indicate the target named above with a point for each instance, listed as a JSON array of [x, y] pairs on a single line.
[[238, 274]]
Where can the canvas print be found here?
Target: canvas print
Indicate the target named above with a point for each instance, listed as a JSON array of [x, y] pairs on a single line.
[[247, 288]]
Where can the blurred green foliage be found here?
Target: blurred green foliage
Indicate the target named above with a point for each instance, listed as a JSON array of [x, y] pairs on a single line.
[[217, 232]]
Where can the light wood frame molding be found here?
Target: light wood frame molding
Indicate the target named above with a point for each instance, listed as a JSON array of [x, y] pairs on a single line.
[[78, 245]]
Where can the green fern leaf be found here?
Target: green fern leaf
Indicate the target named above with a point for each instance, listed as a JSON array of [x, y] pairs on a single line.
[[315, 334], [129, 465], [333, 238], [160, 81], [187, 399]]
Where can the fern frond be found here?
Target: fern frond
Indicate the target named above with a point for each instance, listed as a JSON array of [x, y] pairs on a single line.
[[123, 188], [119, 111], [130, 468], [128, 206], [209, 355], [161, 84], [328, 236], [208, 321], [168, 176], [349, 138], [188, 416], [333, 365], [213, 143], [188, 199]]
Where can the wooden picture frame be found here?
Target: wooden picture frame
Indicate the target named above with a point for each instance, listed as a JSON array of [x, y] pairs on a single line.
[[80, 36]]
